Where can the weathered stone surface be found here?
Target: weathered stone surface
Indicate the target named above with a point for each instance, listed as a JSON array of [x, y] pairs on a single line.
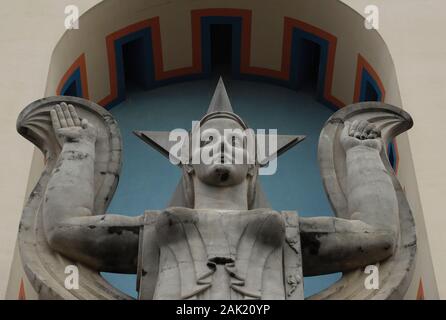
[[219, 239]]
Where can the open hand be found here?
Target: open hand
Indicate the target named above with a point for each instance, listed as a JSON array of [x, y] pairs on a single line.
[[68, 127], [361, 133]]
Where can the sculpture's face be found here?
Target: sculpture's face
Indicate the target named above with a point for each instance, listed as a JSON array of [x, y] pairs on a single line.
[[223, 153]]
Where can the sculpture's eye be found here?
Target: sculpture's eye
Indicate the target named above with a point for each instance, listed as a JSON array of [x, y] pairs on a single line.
[[206, 141], [237, 141]]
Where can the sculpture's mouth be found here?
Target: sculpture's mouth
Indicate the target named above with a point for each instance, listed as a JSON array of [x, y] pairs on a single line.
[[222, 174]]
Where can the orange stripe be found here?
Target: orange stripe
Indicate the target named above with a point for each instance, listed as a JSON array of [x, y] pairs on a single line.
[[196, 67], [363, 64], [79, 63], [110, 41], [22, 295], [420, 291]]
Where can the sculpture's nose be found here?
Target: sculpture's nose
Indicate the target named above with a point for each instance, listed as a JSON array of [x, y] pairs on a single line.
[[222, 152]]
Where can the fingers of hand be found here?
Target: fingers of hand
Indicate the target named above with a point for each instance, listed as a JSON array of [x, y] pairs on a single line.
[[84, 123], [67, 115], [74, 116], [353, 127], [55, 119], [346, 130], [360, 129], [60, 115], [373, 134], [366, 132]]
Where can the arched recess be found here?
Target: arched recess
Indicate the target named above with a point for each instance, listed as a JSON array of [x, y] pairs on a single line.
[[266, 46]]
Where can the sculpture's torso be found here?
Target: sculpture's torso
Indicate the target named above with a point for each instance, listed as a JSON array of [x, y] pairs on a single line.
[[210, 254]]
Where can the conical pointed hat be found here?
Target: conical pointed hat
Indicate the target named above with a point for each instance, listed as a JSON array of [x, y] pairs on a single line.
[[220, 105]]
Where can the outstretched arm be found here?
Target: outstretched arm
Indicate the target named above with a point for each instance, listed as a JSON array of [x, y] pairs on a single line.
[[103, 242], [334, 244]]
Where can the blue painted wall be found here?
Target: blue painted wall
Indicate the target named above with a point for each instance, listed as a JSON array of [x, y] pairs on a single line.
[[148, 179]]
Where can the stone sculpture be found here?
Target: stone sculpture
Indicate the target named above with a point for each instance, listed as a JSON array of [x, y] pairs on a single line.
[[218, 239]]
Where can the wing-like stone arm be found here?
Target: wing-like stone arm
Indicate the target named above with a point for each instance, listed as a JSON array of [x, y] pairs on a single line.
[[102, 242], [335, 244]]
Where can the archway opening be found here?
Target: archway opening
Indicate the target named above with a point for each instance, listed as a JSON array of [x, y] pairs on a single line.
[[308, 63], [135, 64], [71, 90], [370, 93], [221, 48]]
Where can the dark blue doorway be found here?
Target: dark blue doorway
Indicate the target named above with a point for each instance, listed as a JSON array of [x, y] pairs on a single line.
[[308, 63], [135, 60]]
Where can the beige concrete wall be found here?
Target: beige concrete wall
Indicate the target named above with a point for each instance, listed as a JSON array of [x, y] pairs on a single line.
[[413, 31], [16, 272], [29, 31]]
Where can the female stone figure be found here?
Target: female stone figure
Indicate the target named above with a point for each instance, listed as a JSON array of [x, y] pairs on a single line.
[[219, 239], [221, 243]]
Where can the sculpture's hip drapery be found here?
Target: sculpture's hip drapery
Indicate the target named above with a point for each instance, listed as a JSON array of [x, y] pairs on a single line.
[[205, 254]]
